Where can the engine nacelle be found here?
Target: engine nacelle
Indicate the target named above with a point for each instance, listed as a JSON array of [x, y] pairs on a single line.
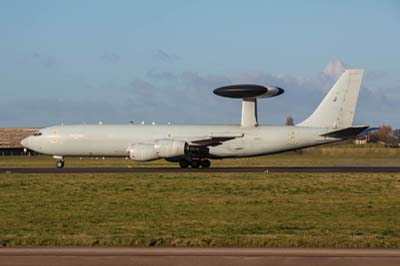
[[164, 148], [167, 148], [143, 152]]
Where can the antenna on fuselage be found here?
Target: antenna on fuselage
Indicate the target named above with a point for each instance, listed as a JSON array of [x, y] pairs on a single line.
[[249, 94]]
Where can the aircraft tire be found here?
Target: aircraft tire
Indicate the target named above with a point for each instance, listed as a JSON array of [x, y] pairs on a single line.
[[60, 164], [205, 163], [184, 163]]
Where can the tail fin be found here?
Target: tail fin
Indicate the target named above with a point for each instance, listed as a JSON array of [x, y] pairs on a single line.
[[337, 108]]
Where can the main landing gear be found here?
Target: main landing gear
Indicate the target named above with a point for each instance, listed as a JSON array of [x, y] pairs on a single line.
[[195, 163]]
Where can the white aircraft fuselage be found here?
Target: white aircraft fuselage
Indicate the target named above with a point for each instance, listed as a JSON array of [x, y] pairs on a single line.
[[193, 145], [116, 140]]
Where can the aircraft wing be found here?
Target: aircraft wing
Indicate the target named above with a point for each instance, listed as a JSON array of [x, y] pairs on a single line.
[[214, 139]]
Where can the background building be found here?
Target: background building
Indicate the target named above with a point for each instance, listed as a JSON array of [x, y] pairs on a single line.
[[10, 139]]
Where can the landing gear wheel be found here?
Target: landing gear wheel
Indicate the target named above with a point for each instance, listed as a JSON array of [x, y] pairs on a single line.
[[195, 163], [205, 163], [60, 164], [184, 163]]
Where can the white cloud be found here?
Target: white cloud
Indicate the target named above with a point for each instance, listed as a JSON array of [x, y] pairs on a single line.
[[164, 56], [187, 97], [301, 97], [334, 69]]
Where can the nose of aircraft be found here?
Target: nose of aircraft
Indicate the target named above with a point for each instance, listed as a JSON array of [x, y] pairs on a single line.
[[25, 142]]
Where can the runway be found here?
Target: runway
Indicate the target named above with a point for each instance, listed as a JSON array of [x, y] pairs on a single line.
[[197, 256], [327, 169]]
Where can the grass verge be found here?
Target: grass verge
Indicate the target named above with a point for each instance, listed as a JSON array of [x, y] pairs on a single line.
[[207, 210]]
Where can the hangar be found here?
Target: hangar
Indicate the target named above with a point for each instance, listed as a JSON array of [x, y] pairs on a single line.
[[10, 139]]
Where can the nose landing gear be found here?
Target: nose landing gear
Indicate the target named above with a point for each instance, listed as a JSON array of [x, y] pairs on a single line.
[[60, 161], [60, 164]]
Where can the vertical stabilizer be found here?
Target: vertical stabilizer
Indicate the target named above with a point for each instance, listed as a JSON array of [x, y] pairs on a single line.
[[337, 108]]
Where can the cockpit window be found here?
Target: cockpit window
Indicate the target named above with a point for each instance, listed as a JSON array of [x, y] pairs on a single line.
[[37, 133]]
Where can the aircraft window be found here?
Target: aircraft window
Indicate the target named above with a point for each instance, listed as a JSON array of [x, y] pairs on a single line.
[[36, 134]]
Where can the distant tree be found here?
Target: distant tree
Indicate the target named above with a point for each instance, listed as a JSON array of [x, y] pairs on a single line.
[[383, 134], [396, 135], [289, 121]]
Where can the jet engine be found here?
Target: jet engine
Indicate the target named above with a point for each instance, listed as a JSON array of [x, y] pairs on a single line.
[[164, 148], [167, 148], [143, 152]]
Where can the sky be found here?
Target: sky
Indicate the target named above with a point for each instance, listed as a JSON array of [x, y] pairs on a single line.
[[77, 62]]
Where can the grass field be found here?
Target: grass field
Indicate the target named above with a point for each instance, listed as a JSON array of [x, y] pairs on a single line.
[[257, 210], [195, 209]]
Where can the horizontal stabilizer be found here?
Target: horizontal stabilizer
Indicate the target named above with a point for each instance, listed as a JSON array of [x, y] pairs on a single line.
[[368, 130], [344, 133]]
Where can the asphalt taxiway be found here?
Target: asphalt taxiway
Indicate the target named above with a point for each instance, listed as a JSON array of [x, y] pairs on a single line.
[[197, 256], [327, 169]]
